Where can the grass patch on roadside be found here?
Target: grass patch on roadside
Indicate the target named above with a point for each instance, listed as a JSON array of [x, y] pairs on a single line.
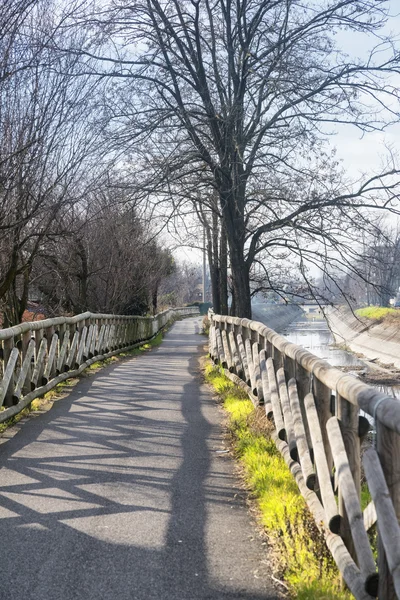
[[14, 420], [378, 313], [304, 560]]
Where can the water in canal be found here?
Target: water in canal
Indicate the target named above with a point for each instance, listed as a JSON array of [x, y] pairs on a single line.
[[315, 336]]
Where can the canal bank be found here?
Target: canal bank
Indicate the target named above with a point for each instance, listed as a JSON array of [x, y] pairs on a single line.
[[376, 341], [316, 336]]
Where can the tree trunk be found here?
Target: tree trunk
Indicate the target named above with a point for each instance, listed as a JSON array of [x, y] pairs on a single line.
[[232, 204], [15, 304], [154, 299], [223, 272], [213, 258], [240, 283]]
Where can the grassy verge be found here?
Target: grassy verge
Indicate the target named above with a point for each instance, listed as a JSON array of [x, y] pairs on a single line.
[[304, 560], [379, 313]]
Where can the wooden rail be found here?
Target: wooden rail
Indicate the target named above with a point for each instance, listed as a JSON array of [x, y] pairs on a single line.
[[319, 431], [36, 356]]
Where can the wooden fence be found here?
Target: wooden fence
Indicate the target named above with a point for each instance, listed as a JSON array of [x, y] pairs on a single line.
[[323, 435], [36, 356]]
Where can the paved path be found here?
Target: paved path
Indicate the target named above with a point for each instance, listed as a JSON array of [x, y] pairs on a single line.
[[118, 492]]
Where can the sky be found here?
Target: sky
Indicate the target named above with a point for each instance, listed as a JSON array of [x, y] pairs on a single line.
[[363, 153], [360, 154]]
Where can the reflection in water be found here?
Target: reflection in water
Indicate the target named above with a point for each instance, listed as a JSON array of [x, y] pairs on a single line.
[[316, 337]]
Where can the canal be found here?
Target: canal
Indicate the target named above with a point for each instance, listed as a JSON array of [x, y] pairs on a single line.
[[314, 335]]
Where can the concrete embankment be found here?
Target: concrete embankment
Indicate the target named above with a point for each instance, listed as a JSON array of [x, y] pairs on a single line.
[[276, 316], [376, 341]]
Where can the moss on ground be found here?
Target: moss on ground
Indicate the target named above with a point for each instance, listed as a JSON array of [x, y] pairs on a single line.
[[305, 561], [378, 313]]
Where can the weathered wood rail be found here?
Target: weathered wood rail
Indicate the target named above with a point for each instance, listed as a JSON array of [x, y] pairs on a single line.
[[322, 436], [36, 356]]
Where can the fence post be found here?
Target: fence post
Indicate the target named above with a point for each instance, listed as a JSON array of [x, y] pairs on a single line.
[[388, 447], [277, 358], [322, 397], [26, 338], [347, 413], [8, 346], [303, 379]]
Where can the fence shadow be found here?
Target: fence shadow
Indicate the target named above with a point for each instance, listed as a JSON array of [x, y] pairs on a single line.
[[109, 494]]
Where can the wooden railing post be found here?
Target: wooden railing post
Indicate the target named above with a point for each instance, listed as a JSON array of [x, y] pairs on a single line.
[[289, 366], [347, 414], [7, 349], [277, 358], [388, 447], [303, 380], [26, 338], [322, 397]]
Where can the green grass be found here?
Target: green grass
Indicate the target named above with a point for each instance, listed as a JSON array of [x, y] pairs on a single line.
[[377, 312], [305, 561]]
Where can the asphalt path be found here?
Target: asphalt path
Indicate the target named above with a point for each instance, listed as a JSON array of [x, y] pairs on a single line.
[[123, 490]]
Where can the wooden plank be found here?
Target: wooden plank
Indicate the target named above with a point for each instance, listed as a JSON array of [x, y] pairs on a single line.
[[63, 352], [388, 526], [212, 346], [345, 563], [265, 385], [8, 375], [86, 352], [26, 339], [69, 363], [300, 434], [40, 354], [81, 347], [227, 352], [275, 401], [303, 380], [348, 416], [26, 365], [250, 366], [322, 398], [332, 518], [290, 437], [388, 447], [369, 516], [221, 353], [243, 356], [48, 372], [8, 352], [235, 355], [257, 373], [100, 340], [353, 509]]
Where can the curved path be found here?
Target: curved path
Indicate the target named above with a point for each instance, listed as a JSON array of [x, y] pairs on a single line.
[[119, 491]]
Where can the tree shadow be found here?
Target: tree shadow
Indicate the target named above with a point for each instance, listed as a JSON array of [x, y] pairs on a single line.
[[116, 492]]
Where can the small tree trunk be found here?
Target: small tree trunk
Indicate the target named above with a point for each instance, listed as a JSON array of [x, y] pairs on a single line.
[[213, 262], [223, 272], [154, 299]]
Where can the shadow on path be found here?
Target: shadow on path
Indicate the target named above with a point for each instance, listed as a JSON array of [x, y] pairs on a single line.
[[118, 492]]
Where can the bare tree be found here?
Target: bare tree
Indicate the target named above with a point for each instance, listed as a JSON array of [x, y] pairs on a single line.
[[240, 92], [47, 144], [104, 259]]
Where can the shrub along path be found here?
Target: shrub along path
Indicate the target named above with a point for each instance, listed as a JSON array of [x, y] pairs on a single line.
[[121, 491]]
